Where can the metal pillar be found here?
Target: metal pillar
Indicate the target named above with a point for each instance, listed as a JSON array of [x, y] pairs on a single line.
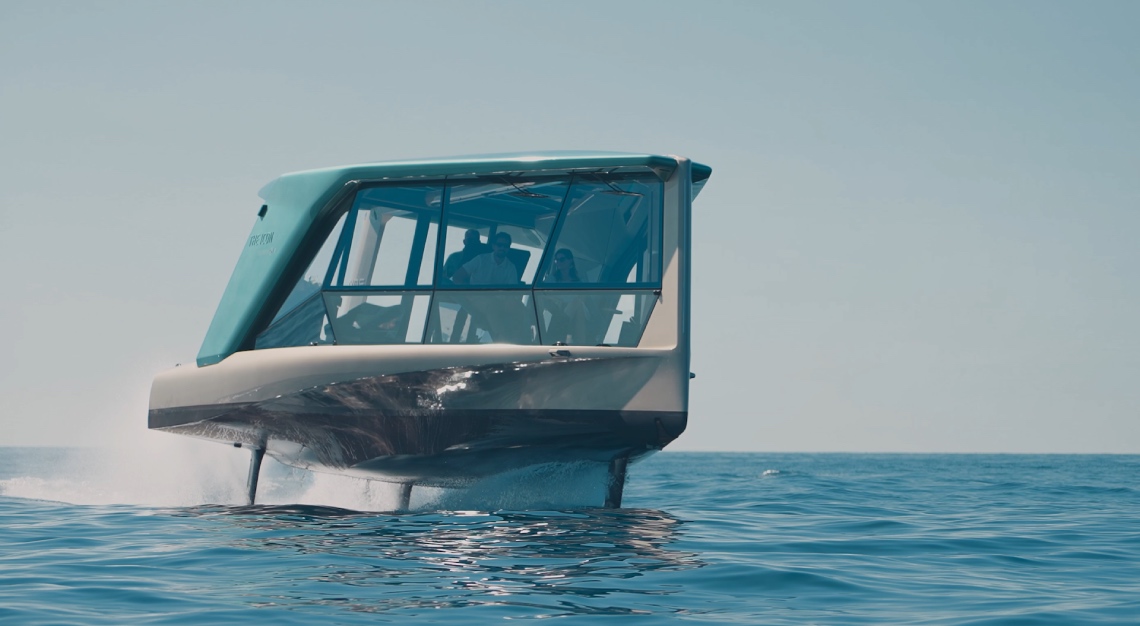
[[255, 457], [617, 482], [405, 496]]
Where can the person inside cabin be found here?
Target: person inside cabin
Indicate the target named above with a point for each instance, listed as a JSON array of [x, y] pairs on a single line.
[[564, 270], [502, 318], [492, 268], [569, 315], [472, 247]]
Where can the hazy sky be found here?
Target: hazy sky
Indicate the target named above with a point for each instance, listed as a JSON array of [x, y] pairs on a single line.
[[920, 233]]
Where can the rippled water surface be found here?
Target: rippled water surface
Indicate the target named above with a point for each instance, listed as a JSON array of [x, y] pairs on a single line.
[[90, 538]]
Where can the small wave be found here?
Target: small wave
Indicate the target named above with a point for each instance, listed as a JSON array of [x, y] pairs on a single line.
[[768, 473]]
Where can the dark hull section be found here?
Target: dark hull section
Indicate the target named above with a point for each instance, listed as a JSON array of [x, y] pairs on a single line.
[[422, 428], [438, 448]]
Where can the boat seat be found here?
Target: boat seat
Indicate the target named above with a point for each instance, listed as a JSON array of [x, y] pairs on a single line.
[[520, 258]]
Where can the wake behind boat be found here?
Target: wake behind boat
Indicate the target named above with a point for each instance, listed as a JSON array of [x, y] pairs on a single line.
[[433, 322]]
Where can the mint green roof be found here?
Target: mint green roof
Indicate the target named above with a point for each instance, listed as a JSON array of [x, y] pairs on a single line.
[[295, 200]]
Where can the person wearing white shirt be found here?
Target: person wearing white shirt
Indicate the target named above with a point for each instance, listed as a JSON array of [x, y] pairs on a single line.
[[492, 268], [500, 315]]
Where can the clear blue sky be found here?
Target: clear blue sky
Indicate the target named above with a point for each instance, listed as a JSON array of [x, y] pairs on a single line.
[[920, 234]]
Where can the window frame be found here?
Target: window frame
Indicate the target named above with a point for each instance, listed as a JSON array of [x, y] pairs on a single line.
[[339, 259]]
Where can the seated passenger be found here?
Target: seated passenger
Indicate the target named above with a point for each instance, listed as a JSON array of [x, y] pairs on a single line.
[[564, 269], [472, 247], [569, 315], [493, 268], [503, 318]]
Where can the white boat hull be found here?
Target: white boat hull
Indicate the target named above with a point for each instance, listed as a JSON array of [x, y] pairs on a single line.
[[326, 408]]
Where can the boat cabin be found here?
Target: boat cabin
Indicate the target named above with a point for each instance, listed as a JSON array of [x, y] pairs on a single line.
[[565, 249]]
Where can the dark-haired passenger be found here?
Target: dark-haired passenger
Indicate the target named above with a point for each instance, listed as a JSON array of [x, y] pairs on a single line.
[[492, 268], [472, 247], [564, 270], [503, 318], [569, 315]]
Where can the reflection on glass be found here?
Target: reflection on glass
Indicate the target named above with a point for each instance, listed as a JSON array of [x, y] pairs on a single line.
[[390, 238], [482, 317], [591, 318], [612, 228], [377, 318], [301, 318], [303, 325]]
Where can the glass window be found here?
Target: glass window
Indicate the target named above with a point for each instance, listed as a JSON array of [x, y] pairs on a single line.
[[697, 187], [481, 211], [590, 244], [301, 319], [483, 317], [593, 318], [390, 238], [377, 318], [302, 326], [611, 233]]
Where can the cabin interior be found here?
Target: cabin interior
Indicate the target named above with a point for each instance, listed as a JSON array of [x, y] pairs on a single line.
[[416, 263]]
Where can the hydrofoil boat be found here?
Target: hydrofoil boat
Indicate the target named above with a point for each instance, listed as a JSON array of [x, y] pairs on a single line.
[[436, 321]]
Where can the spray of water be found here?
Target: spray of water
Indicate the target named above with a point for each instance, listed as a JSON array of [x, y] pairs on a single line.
[[162, 471], [158, 469]]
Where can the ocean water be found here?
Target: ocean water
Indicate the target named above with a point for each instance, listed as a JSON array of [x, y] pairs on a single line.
[[114, 537]]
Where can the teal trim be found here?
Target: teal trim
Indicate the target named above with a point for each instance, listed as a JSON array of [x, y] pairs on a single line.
[[701, 173], [295, 201], [345, 244], [497, 163]]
